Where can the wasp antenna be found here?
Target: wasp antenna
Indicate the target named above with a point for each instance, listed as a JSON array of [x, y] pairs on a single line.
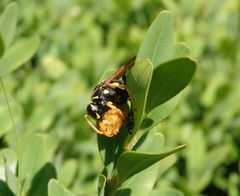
[[121, 71], [92, 125]]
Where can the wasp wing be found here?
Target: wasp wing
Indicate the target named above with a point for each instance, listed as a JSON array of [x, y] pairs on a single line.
[[121, 71]]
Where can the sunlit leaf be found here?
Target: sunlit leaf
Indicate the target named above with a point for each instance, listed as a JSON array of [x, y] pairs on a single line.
[[67, 172], [33, 154], [160, 112], [8, 21], [17, 55], [138, 85], [180, 50], [151, 142], [157, 44], [39, 185], [55, 188], [168, 80], [8, 167], [139, 161]]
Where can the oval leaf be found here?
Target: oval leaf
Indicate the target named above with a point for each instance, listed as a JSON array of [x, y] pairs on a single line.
[[8, 166], [162, 111], [151, 142], [181, 49], [157, 44], [139, 161], [67, 172], [138, 81], [8, 21], [159, 113], [55, 188], [169, 79], [33, 154], [39, 185], [17, 55]]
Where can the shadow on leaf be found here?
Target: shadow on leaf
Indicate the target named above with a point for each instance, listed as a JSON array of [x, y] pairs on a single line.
[[39, 184], [125, 192], [4, 190]]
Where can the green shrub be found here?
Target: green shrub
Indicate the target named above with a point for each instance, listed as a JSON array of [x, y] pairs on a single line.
[[50, 147]]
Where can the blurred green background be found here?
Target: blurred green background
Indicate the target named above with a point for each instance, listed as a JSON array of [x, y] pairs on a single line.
[[81, 39]]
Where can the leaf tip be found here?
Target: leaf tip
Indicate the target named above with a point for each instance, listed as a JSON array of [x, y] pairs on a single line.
[[166, 12], [181, 147]]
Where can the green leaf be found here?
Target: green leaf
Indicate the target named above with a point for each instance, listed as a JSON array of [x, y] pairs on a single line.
[[157, 44], [151, 142], [8, 21], [55, 188], [138, 85], [168, 80], [181, 49], [41, 117], [200, 174], [33, 154], [101, 184], [160, 112], [40, 181], [1, 46], [166, 192], [67, 172], [233, 184], [11, 180], [8, 165], [139, 161], [107, 149], [17, 55]]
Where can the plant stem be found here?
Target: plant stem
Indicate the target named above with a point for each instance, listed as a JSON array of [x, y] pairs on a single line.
[[111, 185], [15, 135]]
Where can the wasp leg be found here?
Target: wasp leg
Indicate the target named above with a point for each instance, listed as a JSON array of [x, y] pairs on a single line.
[[110, 105], [129, 121], [124, 78], [92, 125], [117, 85]]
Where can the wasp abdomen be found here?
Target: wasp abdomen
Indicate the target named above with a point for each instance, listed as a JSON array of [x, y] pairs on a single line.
[[111, 122]]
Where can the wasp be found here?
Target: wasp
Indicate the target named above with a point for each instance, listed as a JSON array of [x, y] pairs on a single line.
[[109, 104]]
